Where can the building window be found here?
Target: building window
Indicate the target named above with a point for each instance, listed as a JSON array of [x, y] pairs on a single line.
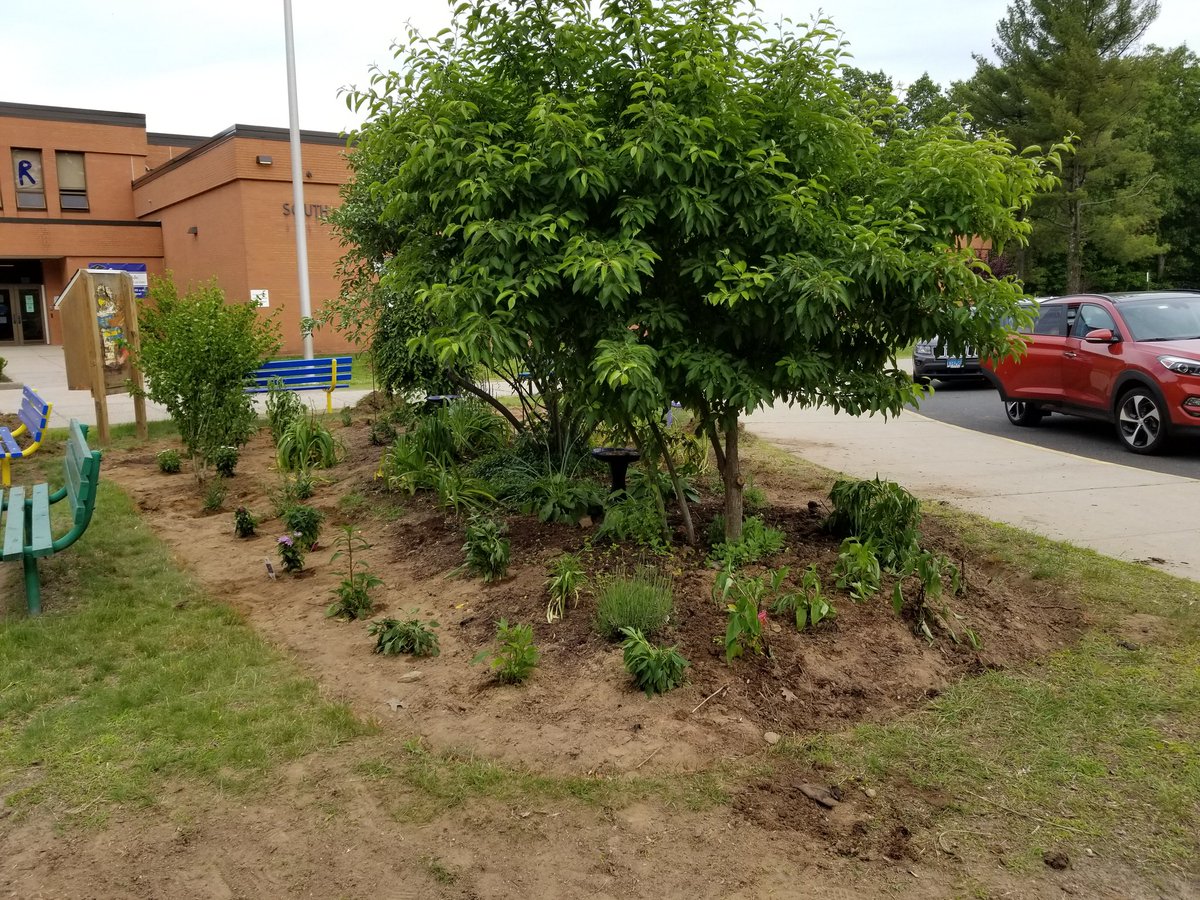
[[27, 174], [72, 180]]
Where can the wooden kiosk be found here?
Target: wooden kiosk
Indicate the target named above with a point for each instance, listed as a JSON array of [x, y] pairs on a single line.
[[99, 329]]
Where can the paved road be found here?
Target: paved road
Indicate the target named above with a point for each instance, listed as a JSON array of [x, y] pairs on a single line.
[[977, 406]]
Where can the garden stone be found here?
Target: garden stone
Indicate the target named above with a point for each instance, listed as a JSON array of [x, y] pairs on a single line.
[[409, 677], [771, 738]]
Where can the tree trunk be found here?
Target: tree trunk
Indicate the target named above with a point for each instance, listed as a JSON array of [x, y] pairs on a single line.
[[1075, 234], [472, 388], [732, 476], [711, 430], [677, 483]]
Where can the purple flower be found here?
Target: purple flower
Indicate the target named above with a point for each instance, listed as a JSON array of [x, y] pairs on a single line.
[[286, 539]]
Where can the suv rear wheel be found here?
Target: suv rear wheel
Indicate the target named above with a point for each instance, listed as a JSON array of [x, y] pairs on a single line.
[[1141, 421], [1022, 413]]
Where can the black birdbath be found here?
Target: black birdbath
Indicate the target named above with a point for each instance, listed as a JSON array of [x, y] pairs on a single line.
[[618, 459]]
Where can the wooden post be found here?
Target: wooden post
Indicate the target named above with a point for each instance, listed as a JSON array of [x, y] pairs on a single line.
[[134, 340]]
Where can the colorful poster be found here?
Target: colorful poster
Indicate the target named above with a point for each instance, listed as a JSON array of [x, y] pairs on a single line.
[[136, 270]]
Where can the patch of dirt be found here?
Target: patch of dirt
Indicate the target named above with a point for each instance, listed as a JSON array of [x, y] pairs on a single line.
[[580, 712]]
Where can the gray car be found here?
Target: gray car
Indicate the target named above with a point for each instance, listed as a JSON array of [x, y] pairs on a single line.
[[932, 361]]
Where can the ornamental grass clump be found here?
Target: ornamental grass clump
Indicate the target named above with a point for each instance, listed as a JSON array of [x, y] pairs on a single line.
[[642, 601]]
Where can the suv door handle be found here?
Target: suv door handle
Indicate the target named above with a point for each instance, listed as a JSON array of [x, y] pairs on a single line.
[[1070, 354]]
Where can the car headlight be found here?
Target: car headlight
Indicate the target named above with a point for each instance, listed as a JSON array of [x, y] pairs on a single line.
[[1181, 366], [924, 348]]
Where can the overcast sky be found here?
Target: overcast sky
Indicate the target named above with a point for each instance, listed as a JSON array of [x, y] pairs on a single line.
[[199, 67]]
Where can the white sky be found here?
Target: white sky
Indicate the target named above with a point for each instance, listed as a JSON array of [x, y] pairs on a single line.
[[199, 67]]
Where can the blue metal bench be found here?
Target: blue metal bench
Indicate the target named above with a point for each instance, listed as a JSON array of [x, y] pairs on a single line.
[[26, 530], [327, 374], [34, 416]]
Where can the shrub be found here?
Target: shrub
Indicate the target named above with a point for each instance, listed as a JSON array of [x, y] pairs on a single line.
[[283, 407], [746, 607], [354, 592], [487, 549], [382, 433], [168, 461], [473, 429], [196, 353], [878, 511], [642, 601], [291, 552], [565, 581], [306, 443], [305, 522], [928, 570], [244, 522], [633, 519], [224, 460], [215, 490], [514, 656], [857, 569], [414, 636], [553, 497], [758, 541], [655, 670]]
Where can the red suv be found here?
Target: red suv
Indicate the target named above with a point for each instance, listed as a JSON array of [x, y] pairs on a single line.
[[1130, 359]]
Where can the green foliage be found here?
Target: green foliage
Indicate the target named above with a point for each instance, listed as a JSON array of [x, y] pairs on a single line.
[[878, 511], [413, 636], [458, 492], [473, 429], [633, 518], [283, 407], [758, 541], [857, 569], [382, 433], [215, 491], [692, 169], [244, 522], [809, 607], [566, 580], [347, 416], [486, 549], [306, 443], [745, 600], [514, 656], [554, 497], [292, 550], [3, 364], [406, 467], [353, 593], [928, 569], [224, 460], [655, 670], [643, 601], [196, 353], [168, 461], [305, 522]]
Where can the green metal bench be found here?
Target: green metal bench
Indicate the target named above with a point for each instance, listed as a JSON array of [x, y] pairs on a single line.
[[26, 528]]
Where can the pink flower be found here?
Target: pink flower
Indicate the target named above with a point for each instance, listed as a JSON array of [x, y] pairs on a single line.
[[762, 617], [286, 539]]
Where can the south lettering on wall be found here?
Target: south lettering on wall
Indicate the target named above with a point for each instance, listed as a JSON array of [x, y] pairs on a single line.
[[319, 210]]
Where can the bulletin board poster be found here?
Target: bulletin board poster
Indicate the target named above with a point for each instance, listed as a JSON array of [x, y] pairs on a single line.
[[111, 299], [136, 270]]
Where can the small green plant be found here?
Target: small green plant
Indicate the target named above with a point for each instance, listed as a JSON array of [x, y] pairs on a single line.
[[414, 636], [643, 601], [458, 492], [215, 490], [758, 542], [487, 549], [634, 519], [224, 460], [565, 581], [809, 606], [554, 497], [514, 656], [406, 466], [347, 415], [857, 569], [353, 593], [655, 670], [305, 522], [283, 407], [306, 444], [169, 462], [745, 604], [878, 511], [3, 364], [244, 522], [291, 552], [928, 570], [382, 433]]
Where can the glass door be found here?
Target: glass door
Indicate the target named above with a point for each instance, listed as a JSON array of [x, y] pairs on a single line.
[[29, 304], [8, 298]]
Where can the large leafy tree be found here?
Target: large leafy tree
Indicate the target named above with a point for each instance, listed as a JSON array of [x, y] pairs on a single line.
[[1065, 67], [670, 201]]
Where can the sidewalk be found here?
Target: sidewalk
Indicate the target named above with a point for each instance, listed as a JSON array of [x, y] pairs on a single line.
[[42, 367], [1117, 510]]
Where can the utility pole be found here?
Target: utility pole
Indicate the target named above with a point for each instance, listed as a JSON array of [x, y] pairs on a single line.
[[298, 215]]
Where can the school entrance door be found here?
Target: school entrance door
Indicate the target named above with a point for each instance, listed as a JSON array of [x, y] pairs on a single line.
[[22, 314]]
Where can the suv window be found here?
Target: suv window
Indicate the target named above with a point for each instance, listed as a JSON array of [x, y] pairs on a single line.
[[1091, 317], [1051, 320]]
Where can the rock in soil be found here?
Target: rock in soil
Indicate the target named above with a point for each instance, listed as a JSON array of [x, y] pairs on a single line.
[[1056, 859], [409, 676], [771, 737], [818, 794]]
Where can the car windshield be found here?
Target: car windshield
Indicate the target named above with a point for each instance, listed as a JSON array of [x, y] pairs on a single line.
[[1163, 318]]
